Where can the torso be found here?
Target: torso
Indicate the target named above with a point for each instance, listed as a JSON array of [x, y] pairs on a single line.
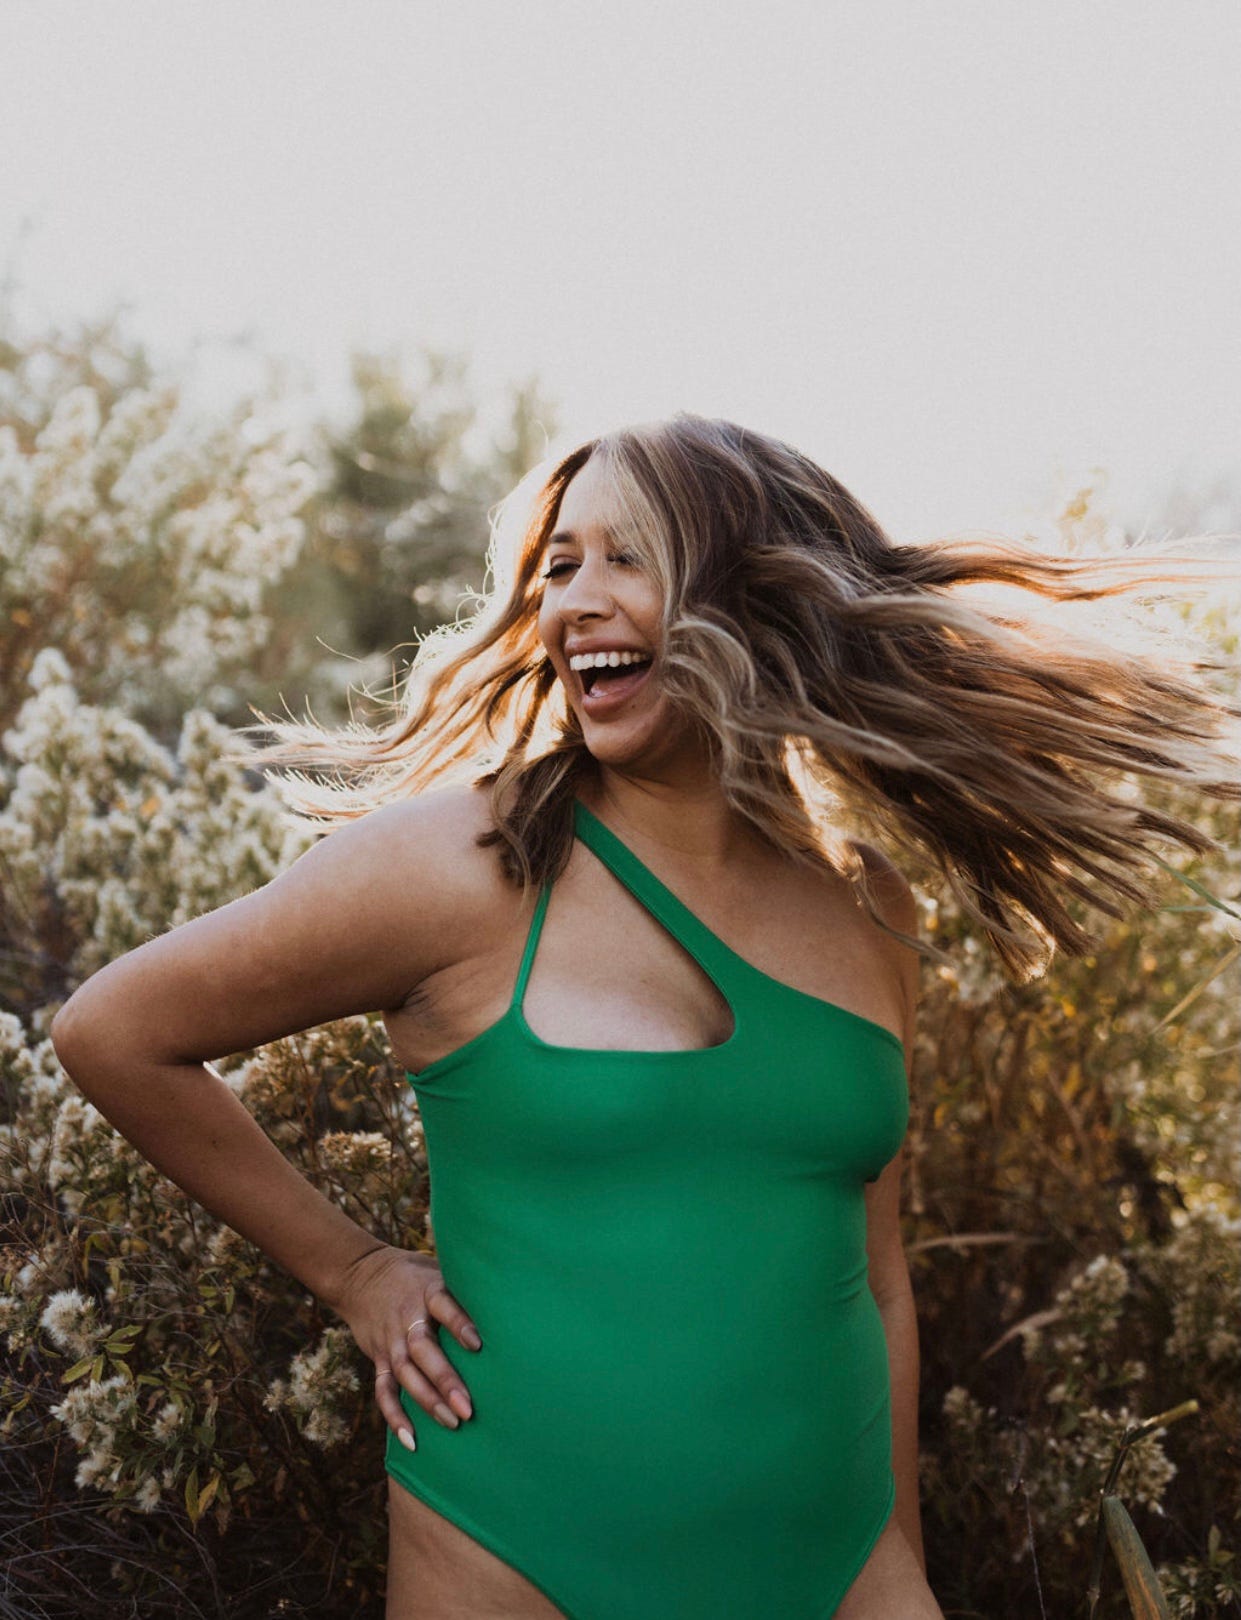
[[607, 975]]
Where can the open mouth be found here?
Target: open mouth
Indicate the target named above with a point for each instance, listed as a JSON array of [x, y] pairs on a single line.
[[603, 688], [612, 676]]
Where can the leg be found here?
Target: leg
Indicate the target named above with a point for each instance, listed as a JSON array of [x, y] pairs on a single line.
[[890, 1583], [438, 1572]]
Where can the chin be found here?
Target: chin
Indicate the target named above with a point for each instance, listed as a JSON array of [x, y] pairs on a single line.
[[649, 738], [614, 750], [651, 746]]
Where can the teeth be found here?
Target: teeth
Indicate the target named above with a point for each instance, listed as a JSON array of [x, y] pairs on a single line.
[[606, 660]]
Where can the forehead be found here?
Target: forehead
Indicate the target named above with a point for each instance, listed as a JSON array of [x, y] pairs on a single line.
[[589, 503]]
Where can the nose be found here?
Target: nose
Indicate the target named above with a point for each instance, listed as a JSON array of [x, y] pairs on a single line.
[[587, 593]]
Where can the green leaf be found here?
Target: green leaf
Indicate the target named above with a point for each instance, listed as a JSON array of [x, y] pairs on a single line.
[[1142, 1587], [121, 1342], [1212, 900], [204, 1501]]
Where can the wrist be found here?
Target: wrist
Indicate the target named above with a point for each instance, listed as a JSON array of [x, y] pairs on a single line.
[[339, 1279]]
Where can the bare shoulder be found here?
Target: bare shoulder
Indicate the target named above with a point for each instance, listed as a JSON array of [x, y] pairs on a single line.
[[438, 830], [443, 885], [897, 905], [890, 887]]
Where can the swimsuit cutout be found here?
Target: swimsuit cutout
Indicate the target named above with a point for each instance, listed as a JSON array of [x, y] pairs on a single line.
[[681, 1406]]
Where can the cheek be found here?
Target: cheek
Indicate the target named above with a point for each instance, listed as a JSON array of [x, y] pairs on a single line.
[[645, 607], [545, 626]]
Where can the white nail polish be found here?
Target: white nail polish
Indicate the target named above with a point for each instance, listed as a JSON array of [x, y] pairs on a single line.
[[407, 1439]]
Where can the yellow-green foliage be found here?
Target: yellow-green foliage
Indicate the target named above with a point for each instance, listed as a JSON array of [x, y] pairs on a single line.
[[1075, 1245]]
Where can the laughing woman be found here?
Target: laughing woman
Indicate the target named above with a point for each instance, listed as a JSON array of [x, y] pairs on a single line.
[[601, 878]]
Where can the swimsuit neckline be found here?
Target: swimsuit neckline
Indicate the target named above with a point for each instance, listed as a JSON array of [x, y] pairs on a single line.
[[717, 959], [617, 844]]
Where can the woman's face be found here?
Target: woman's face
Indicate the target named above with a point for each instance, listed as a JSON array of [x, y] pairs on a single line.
[[597, 598]]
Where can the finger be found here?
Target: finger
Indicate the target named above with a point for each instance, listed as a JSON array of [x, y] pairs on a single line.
[[388, 1401], [420, 1389], [405, 1375], [454, 1317], [452, 1400]]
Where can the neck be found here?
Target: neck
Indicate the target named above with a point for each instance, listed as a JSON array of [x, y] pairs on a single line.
[[692, 818]]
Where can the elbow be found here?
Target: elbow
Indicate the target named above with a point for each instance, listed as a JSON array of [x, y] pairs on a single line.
[[59, 1034], [71, 1035], [79, 1019], [64, 1035]]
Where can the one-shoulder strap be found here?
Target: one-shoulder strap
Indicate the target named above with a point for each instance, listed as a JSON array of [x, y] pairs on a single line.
[[717, 960], [532, 941]]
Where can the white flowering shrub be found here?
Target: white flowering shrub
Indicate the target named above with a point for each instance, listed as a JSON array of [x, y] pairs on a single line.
[[142, 1342], [1062, 1463], [1060, 1469], [141, 543], [319, 1384], [1198, 1587], [178, 1366], [1199, 1272], [107, 838], [1077, 1338]]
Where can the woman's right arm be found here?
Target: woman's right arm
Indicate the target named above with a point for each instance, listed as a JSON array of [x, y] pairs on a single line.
[[350, 927]]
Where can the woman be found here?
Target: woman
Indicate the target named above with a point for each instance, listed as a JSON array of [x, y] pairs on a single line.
[[657, 1006]]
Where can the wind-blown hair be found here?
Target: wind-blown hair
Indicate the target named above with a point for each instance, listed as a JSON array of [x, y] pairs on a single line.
[[842, 682]]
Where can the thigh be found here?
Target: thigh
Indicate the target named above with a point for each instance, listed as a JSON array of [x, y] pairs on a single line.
[[438, 1572], [890, 1582]]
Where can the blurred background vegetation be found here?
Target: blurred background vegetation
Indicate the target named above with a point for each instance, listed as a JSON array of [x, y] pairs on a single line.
[[185, 1430]]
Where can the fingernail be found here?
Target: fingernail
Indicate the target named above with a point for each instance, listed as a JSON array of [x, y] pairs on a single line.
[[406, 1438], [461, 1401], [471, 1338], [446, 1416]]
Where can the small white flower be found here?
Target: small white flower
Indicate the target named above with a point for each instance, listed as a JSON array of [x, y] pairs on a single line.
[[167, 1421], [69, 1321]]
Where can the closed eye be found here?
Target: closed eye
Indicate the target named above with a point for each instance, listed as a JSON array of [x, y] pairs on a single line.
[[625, 558]]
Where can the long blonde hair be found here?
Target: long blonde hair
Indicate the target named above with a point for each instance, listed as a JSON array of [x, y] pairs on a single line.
[[841, 681]]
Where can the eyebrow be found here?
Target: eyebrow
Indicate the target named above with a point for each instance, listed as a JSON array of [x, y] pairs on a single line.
[[567, 536]]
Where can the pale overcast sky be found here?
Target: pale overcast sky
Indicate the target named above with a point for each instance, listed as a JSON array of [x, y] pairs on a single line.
[[963, 253]]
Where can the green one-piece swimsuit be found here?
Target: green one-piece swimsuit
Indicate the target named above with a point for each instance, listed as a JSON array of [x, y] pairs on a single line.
[[681, 1405]]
